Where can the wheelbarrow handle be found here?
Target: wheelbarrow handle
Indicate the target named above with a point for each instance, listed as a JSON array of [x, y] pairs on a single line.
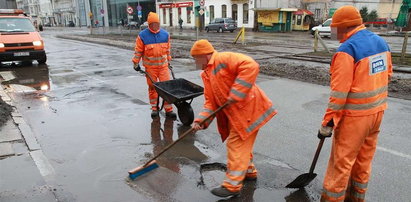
[[186, 133], [171, 69], [147, 74]]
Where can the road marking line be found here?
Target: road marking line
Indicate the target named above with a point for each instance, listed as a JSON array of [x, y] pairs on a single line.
[[44, 166], [394, 152], [7, 75]]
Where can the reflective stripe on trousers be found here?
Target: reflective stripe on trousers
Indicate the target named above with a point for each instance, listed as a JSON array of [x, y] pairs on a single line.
[[157, 74], [353, 147], [238, 157]]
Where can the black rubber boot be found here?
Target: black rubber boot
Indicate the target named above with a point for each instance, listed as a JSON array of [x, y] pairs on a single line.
[[154, 114], [249, 178], [171, 115], [223, 192]]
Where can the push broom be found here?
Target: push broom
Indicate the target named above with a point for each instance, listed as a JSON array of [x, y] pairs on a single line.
[[152, 164]]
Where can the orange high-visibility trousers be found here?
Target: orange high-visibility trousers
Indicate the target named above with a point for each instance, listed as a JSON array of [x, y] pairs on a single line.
[[349, 167], [239, 157], [157, 74]]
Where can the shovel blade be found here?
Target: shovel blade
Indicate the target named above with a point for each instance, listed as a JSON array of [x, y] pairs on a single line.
[[302, 180]]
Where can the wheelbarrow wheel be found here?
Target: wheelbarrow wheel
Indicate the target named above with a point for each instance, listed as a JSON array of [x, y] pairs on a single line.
[[185, 113]]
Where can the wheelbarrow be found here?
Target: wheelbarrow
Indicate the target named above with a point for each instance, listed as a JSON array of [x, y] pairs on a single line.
[[179, 92]]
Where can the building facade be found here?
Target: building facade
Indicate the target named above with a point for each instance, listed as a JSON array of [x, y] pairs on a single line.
[[324, 9], [171, 11], [8, 4], [45, 15], [64, 12]]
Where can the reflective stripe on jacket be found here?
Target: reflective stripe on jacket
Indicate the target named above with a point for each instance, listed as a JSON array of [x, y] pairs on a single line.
[[153, 48], [360, 71], [233, 75]]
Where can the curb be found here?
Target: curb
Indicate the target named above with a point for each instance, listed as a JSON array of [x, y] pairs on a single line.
[[34, 148]]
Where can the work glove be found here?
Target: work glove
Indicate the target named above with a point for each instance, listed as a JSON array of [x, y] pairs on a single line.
[[137, 67], [324, 132], [196, 126]]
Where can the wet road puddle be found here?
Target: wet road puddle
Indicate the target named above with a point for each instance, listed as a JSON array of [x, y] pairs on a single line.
[[185, 175]]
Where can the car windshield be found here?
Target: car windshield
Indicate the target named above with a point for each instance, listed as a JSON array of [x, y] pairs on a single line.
[[16, 25], [327, 23]]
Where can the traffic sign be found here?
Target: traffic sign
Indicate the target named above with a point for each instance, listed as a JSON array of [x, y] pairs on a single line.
[[129, 10], [202, 3], [139, 8], [102, 11], [201, 11], [139, 14]]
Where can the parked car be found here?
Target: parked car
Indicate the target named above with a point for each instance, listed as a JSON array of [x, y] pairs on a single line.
[[323, 29], [71, 24], [221, 25]]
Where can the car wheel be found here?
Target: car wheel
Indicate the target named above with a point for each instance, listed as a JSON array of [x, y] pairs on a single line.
[[207, 30], [231, 31], [43, 59], [220, 30]]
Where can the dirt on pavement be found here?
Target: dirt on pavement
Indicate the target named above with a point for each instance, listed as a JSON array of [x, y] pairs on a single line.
[[5, 110]]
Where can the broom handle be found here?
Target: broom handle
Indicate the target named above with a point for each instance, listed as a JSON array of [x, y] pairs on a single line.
[[186, 133]]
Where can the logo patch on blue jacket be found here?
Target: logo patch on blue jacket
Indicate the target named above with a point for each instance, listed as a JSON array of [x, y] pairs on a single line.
[[378, 63]]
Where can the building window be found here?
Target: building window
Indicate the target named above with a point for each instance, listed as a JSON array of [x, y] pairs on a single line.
[[211, 13], [224, 11], [299, 19], [164, 16], [234, 13], [317, 13], [189, 9], [245, 13]]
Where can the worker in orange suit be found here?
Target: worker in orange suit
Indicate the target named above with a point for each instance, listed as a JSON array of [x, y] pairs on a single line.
[[360, 71], [153, 46], [231, 77]]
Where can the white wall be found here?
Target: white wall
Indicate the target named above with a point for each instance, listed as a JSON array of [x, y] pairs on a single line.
[[218, 11]]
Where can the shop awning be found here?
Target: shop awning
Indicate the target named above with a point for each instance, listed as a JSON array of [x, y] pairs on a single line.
[[302, 11], [402, 20]]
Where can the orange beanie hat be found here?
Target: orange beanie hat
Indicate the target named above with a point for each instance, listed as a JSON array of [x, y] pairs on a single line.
[[346, 16], [152, 17], [202, 47]]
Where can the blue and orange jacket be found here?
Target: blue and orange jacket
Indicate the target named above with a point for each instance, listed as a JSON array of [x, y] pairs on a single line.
[[154, 48], [360, 71]]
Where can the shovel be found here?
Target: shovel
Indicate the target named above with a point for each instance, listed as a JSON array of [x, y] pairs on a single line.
[[305, 179]]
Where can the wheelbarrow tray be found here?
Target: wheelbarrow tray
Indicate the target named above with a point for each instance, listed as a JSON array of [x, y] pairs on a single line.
[[177, 90]]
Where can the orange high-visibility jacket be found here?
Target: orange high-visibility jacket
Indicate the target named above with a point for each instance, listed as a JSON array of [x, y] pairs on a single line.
[[360, 72], [154, 48], [233, 75]]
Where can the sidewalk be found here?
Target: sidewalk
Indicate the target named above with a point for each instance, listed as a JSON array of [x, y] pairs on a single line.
[[21, 178]]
